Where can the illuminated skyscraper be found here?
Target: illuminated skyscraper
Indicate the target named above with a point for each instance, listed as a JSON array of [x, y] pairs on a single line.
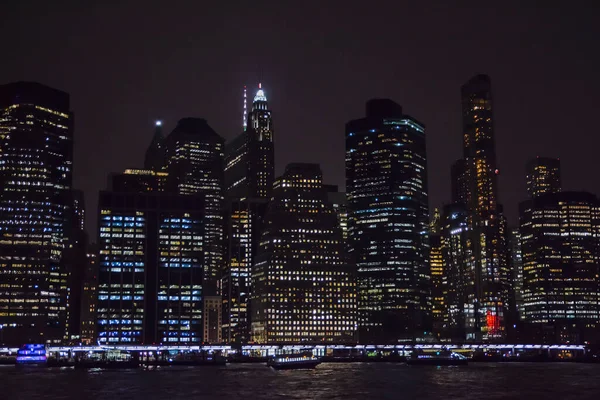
[[89, 297], [486, 222], [543, 176], [560, 245], [245, 223], [155, 157], [195, 167], [36, 157], [249, 174], [302, 289], [516, 256], [439, 284], [459, 274], [388, 222], [151, 261], [74, 260], [250, 157]]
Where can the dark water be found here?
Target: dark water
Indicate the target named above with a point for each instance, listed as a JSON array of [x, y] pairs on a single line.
[[329, 381]]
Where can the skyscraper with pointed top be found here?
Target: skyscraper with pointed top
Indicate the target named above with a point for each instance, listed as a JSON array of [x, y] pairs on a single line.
[[250, 157], [155, 158], [249, 176]]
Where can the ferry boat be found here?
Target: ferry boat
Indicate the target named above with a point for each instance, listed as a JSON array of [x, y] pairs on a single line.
[[304, 360], [437, 357], [32, 354]]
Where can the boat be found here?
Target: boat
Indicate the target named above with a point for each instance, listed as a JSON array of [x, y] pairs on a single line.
[[32, 354], [303, 360], [437, 357]]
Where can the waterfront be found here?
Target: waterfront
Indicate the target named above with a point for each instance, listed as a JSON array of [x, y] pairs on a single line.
[[328, 381]]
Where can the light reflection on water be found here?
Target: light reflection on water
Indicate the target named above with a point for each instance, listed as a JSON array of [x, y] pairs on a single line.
[[329, 381]]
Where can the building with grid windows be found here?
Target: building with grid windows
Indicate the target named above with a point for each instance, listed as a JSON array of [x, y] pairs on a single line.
[[36, 163], [249, 175], [560, 247], [303, 291], [195, 167], [475, 185], [543, 176], [388, 223], [151, 261]]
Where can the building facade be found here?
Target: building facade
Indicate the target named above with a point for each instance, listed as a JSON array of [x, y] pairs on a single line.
[[487, 225], [543, 176], [386, 185], [560, 244], [250, 157], [302, 289], [151, 261], [439, 283], [36, 162], [245, 221], [89, 297], [195, 167], [249, 175], [138, 180]]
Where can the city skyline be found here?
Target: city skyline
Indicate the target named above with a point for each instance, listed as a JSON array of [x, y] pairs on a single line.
[[314, 88]]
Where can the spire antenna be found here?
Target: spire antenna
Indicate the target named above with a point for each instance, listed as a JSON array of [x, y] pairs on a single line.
[[245, 114]]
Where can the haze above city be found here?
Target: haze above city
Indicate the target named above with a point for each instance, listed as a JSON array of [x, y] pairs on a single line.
[[127, 65]]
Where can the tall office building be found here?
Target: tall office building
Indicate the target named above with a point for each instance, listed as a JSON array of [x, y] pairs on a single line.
[[339, 201], [245, 219], [249, 175], [155, 157], [250, 157], [560, 245], [151, 260], [516, 256], [459, 274], [36, 157], [543, 176], [302, 289], [388, 218], [89, 296], [195, 167], [486, 222], [74, 261], [439, 283]]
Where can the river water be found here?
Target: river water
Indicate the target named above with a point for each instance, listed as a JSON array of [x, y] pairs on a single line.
[[481, 381]]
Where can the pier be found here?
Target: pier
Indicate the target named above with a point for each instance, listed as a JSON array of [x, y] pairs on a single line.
[[149, 355]]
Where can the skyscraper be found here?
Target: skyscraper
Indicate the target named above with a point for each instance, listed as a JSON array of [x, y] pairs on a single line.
[[388, 218], [543, 176], [249, 174], [36, 161], [245, 221], [151, 260], [302, 289], [487, 225], [89, 297], [439, 283], [195, 167], [250, 157], [560, 245], [459, 273], [155, 157]]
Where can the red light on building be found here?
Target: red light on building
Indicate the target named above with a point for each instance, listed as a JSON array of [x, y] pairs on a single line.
[[491, 321]]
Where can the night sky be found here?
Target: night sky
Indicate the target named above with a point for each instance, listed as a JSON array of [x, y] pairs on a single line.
[[127, 65]]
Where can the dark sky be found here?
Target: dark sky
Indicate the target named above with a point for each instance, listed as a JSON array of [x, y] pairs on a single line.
[[128, 64]]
